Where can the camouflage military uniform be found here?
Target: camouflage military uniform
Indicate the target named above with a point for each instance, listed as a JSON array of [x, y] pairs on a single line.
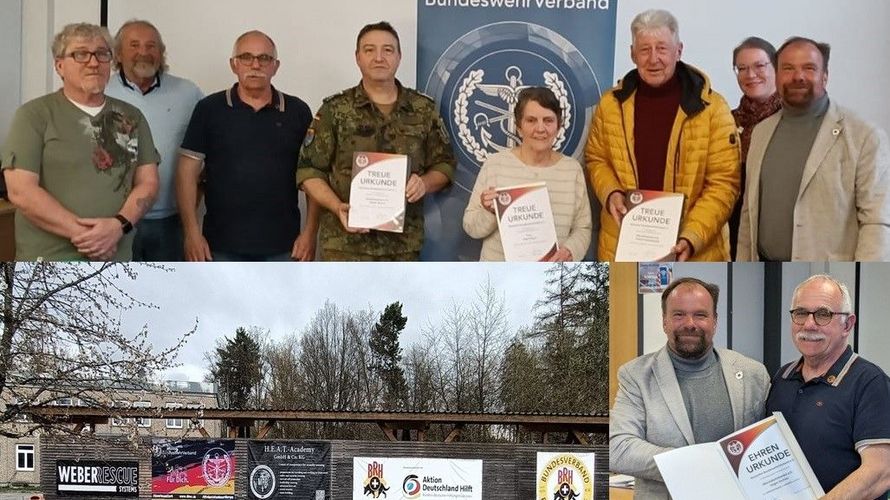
[[349, 122]]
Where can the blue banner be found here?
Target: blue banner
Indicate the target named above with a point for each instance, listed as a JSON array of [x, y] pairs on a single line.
[[474, 56]]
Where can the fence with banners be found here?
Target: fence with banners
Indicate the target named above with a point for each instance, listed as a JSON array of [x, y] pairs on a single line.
[[509, 471]]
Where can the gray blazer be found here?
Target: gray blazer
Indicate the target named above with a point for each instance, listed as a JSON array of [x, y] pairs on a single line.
[[649, 416], [842, 209]]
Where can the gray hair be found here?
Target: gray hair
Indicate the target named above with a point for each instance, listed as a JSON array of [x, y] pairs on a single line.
[[846, 302], [119, 42], [78, 30], [250, 33], [652, 20]]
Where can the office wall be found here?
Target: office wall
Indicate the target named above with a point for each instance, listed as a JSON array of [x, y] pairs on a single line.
[[871, 283], [316, 39], [653, 332], [11, 55], [874, 315], [745, 303]]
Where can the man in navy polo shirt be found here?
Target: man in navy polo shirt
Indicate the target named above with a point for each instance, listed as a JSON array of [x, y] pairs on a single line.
[[837, 403], [246, 139]]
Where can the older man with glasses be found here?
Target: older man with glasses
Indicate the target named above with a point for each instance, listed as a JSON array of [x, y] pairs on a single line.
[[81, 167], [836, 403], [246, 141]]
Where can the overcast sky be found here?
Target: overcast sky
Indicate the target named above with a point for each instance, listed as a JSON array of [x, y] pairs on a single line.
[[282, 298]]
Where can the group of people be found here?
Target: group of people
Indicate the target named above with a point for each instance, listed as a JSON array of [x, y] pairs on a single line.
[[817, 178], [835, 402], [142, 149], [788, 175]]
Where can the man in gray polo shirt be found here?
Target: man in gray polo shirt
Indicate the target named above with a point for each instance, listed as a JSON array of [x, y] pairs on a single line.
[[818, 175], [687, 392]]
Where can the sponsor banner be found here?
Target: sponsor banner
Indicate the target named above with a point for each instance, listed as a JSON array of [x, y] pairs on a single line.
[[475, 56], [193, 469], [564, 476], [97, 478], [289, 469], [416, 478]]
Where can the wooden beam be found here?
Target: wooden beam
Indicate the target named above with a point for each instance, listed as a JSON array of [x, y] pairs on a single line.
[[454, 435], [265, 429], [233, 431], [79, 427], [580, 437], [388, 431], [203, 431]]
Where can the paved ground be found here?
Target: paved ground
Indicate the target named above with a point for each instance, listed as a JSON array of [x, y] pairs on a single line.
[[19, 495]]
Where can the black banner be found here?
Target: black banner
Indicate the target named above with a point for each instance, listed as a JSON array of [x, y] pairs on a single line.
[[97, 478], [289, 469]]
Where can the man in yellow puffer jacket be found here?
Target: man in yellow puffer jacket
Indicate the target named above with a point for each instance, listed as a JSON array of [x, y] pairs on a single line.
[[663, 128]]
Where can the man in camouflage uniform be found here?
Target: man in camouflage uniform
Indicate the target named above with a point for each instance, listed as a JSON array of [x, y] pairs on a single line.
[[378, 115]]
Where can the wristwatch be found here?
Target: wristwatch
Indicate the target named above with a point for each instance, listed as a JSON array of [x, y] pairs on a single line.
[[126, 225]]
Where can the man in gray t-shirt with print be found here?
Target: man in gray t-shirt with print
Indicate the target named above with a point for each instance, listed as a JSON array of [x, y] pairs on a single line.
[[81, 168]]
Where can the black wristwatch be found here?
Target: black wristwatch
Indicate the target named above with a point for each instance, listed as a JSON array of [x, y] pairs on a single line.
[[126, 225]]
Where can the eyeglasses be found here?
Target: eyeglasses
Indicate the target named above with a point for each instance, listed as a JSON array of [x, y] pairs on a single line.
[[83, 56], [821, 316], [247, 59], [758, 68]]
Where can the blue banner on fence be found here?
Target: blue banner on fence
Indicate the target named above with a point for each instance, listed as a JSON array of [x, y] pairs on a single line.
[[474, 56]]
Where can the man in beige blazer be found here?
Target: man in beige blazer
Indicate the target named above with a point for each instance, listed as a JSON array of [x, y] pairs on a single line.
[[818, 176], [686, 393]]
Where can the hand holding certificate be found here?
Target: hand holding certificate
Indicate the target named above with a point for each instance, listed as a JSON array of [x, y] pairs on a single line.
[[650, 227], [525, 221], [377, 193], [761, 461]]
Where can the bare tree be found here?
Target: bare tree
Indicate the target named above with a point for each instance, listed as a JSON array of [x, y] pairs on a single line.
[[420, 379], [62, 340], [488, 332], [333, 360], [523, 385], [452, 366]]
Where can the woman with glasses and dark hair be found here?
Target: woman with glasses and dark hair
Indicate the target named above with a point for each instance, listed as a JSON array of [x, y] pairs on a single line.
[[538, 118], [754, 63]]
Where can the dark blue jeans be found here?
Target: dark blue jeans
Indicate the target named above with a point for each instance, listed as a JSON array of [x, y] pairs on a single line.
[[158, 240], [248, 257]]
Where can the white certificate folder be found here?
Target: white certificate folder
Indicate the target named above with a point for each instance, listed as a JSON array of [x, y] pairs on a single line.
[[760, 462]]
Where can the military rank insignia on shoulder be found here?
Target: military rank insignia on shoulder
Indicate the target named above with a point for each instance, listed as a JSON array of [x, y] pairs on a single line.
[[332, 97]]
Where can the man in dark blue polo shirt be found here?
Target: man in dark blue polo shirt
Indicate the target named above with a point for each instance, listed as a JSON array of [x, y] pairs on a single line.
[[246, 139], [837, 403]]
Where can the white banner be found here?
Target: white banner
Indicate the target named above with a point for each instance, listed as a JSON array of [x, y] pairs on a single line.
[[566, 476], [405, 478]]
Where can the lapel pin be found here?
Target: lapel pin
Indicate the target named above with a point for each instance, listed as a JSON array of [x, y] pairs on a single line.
[[739, 375]]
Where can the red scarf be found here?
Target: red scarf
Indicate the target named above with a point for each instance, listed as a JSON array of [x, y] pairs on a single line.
[[750, 113]]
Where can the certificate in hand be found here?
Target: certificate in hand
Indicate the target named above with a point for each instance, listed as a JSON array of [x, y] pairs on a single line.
[[761, 461], [650, 227], [377, 192], [525, 221]]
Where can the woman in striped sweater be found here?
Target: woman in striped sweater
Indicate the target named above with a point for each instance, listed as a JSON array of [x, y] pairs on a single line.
[[538, 117]]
